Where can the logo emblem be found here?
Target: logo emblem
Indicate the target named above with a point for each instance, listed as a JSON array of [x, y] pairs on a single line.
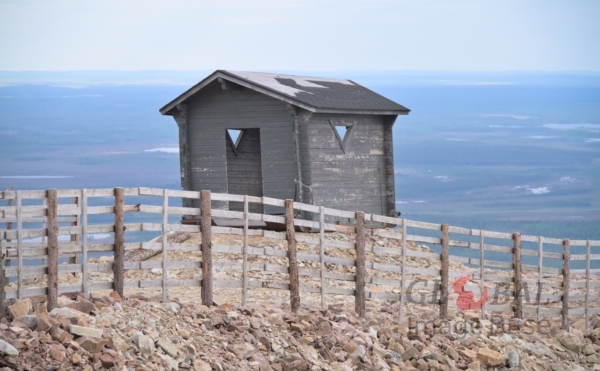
[[466, 299]]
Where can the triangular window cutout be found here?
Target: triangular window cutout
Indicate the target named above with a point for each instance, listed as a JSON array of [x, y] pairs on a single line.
[[234, 136], [342, 133], [342, 130]]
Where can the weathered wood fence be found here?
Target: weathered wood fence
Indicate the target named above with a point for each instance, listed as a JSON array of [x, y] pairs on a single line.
[[395, 281]]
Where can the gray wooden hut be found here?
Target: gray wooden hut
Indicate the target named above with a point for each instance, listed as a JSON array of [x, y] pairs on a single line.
[[316, 140]]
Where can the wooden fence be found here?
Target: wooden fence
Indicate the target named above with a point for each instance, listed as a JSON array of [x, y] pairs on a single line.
[[364, 275]]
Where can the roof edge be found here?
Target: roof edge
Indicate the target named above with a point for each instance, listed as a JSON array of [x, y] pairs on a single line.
[[167, 108]]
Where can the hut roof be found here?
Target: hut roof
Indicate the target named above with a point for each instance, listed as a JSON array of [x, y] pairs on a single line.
[[315, 94]]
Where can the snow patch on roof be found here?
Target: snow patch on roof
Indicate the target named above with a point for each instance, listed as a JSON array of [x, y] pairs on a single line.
[[270, 80]]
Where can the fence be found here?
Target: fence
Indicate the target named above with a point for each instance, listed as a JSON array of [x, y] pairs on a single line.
[[358, 265]]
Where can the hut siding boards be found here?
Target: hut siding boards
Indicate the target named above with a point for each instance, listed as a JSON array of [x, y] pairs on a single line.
[[244, 173], [212, 111], [348, 180]]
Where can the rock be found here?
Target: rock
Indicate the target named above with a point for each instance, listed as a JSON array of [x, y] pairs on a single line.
[[86, 331], [570, 341], [409, 353], [57, 353], [91, 344], [6, 348], [45, 322], [29, 320], [200, 365], [513, 358], [469, 353], [60, 335], [83, 305], [107, 360], [72, 315], [115, 297], [453, 353], [172, 365], [172, 307], [76, 358], [475, 366], [490, 357], [146, 345], [588, 349], [20, 308], [167, 346]]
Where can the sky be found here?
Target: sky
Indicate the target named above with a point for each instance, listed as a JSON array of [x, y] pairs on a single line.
[[320, 35]]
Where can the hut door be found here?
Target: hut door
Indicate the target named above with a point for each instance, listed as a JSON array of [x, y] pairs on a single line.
[[244, 166]]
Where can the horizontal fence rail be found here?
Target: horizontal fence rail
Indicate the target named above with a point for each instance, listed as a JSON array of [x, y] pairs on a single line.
[[372, 261]]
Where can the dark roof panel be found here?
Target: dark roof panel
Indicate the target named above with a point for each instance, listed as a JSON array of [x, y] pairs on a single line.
[[322, 93], [313, 93]]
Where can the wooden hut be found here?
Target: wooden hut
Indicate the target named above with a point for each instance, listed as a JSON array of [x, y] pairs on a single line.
[[316, 140]]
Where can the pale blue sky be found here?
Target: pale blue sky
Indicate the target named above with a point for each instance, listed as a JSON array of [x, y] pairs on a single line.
[[456, 35]]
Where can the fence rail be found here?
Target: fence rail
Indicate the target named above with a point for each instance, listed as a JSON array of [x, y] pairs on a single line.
[[496, 256]]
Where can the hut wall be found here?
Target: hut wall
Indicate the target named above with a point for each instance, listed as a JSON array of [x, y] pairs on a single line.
[[212, 111], [357, 178]]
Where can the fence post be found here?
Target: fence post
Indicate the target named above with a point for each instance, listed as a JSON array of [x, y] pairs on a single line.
[[84, 242], [52, 212], [2, 293], [566, 284], [481, 267], [322, 252], [518, 306], [292, 260], [119, 252], [19, 246], [165, 245], [8, 228], [206, 283], [402, 294], [245, 255], [587, 285], [75, 236], [359, 291], [445, 273]]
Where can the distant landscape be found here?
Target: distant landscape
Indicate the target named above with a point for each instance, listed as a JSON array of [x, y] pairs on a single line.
[[501, 151]]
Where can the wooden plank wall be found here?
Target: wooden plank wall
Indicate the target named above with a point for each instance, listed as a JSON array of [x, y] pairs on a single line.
[[54, 219]]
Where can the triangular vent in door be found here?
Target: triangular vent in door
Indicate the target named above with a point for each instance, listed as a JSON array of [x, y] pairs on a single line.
[[342, 132], [234, 136]]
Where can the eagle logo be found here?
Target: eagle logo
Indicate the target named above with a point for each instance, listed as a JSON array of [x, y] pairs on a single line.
[[466, 299]]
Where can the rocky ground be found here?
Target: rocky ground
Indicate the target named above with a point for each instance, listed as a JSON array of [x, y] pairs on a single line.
[[140, 333]]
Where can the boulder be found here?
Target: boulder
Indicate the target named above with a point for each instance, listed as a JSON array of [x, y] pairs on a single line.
[[570, 341], [20, 308], [6, 348], [86, 331], [490, 357]]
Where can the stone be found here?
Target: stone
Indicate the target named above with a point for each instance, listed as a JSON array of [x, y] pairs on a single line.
[[57, 354], [475, 366], [570, 341], [146, 345], [8, 349], [588, 349], [468, 353], [513, 358], [76, 358], [85, 331], [167, 346], [409, 353], [20, 308], [29, 320], [70, 314], [200, 365], [45, 322], [490, 357], [60, 335], [83, 305], [115, 297], [107, 360], [453, 353], [91, 344], [172, 365]]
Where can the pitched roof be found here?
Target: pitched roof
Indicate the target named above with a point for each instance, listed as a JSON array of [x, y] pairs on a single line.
[[315, 94]]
